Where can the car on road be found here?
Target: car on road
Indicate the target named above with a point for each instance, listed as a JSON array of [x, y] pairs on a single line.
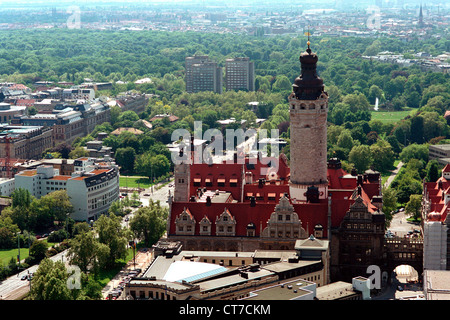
[[400, 288], [24, 277]]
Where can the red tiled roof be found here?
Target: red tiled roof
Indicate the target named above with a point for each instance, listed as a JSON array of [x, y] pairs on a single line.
[[62, 178], [446, 168], [310, 214], [342, 188]]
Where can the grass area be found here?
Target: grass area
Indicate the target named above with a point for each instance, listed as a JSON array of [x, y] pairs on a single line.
[[107, 275], [7, 254], [391, 116], [134, 182]]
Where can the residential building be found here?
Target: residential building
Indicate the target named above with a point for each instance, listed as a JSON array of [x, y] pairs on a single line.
[[9, 167], [436, 284], [239, 74], [65, 166], [92, 187], [132, 101], [7, 186], [24, 142], [202, 74]]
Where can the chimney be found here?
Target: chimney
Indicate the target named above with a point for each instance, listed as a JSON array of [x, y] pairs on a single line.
[[360, 179], [208, 201], [252, 202]]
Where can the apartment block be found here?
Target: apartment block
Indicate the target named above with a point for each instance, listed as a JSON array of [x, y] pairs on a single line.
[[240, 74], [202, 74], [92, 187]]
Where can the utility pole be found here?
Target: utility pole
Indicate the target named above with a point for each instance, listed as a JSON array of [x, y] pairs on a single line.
[[18, 248]]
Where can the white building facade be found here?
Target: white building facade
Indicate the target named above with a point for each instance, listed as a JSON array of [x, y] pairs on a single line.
[[91, 188]]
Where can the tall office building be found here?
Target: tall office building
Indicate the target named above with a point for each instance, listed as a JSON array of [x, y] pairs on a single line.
[[240, 74], [203, 74]]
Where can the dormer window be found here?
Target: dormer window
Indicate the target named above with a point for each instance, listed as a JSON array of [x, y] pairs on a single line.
[[225, 224], [185, 223]]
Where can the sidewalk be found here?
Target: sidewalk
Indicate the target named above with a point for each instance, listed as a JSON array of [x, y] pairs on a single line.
[[117, 284]]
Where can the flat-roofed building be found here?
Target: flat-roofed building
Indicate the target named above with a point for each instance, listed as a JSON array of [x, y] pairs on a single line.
[[436, 284], [92, 187], [24, 142], [439, 152], [68, 122], [220, 275], [202, 74], [298, 289], [239, 74]]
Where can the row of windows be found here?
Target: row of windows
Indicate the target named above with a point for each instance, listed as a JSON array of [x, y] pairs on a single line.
[[152, 295], [188, 228], [358, 226]]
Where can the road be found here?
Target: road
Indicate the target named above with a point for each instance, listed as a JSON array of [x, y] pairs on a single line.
[[393, 174], [14, 288], [155, 194], [400, 226]]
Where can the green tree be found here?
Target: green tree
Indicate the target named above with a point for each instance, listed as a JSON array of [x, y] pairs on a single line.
[[149, 223], [414, 151], [38, 250], [361, 157], [417, 129], [282, 83], [78, 152], [50, 282], [382, 155], [432, 170], [152, 166], [112, 234], [389, 203], [87, 253], [414, 205], [125, 158]]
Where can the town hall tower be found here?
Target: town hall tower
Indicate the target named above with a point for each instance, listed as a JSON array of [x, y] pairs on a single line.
[[308, 105]]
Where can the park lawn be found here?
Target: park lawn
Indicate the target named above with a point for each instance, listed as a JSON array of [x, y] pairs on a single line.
[[134, 182], [7, 254], [105, 276], [391, 116]]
